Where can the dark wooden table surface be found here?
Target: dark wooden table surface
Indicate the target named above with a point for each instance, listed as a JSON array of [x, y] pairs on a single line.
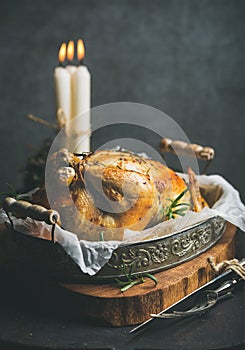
[[35, 315]]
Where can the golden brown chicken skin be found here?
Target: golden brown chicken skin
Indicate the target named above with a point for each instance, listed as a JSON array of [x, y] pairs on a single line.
[[113, 190]]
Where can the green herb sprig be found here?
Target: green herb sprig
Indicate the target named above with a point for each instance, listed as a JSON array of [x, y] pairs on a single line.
[[101, 234], [176, 208], [132, 280], [12, 193]]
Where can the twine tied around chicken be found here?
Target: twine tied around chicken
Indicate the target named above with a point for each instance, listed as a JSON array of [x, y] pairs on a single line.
[[225, 265]]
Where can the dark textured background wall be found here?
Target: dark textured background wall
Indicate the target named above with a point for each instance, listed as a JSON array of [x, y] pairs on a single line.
[[185, 58]]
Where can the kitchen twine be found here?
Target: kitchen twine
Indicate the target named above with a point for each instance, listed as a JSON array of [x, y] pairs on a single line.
[[232, 264]]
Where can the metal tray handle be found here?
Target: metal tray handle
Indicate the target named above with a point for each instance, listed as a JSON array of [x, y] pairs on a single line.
[[24, 209], [186, 149]]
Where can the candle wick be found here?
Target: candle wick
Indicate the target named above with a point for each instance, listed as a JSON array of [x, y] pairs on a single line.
[[81, 62], [61, 64]]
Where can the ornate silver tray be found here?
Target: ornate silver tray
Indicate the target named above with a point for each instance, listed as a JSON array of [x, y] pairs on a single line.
[[165, 252], [48, 257]]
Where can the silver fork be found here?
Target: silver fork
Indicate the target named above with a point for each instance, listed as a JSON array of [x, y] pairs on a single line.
[[206, 300]]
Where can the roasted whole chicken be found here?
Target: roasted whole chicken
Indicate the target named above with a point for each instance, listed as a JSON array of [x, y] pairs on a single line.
[[107, 191]]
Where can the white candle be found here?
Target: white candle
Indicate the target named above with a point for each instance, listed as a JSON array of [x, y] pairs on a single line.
[[82, 95], [73, 95], [62, 83], [71, 68], [81, 82]]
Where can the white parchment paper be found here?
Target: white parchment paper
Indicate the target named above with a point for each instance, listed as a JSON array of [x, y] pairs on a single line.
[[223, 199]]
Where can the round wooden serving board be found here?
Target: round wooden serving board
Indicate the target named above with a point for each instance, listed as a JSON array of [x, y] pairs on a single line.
[[107, 304]]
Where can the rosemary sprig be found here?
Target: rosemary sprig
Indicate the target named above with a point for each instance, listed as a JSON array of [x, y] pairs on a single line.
[[12, 193], [176, 208], [101, 236], [132, 280]]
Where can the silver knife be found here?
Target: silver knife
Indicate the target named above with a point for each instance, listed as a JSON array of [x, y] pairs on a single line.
[[227, 284]]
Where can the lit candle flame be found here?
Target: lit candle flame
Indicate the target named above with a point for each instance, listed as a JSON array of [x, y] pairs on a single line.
[[70, 50], [80, 50], [62, 53]]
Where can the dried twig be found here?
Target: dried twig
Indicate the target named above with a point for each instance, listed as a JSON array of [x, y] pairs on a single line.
[[42, 122]]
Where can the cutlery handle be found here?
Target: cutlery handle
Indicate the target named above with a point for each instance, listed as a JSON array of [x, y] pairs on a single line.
[[228, 285]]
